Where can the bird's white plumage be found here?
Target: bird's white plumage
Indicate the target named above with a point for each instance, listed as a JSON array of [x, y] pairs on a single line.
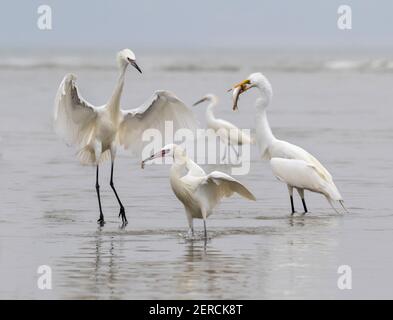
[[199, 192], [160, 107], [283, 149], [227, 131], [74, 117], [290, 163], [95, 130], [304, 175], [215, 186]]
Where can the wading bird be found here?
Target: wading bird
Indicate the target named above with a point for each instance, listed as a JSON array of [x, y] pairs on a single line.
[[96, 131], [199, 192], [290, 163], [229, 134]]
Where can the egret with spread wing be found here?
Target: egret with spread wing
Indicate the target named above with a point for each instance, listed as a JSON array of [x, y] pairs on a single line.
[[199, 192], [229, 134], [96, 131], [290, 163]]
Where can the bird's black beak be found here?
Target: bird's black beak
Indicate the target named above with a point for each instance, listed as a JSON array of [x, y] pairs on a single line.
[[133, 63], [199, 101]]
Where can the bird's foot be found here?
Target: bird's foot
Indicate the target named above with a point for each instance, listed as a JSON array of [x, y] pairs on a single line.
[[190, 234], [122, 214], [101, 221]]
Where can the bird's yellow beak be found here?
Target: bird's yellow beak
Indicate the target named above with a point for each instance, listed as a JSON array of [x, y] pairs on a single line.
[[242, 84]]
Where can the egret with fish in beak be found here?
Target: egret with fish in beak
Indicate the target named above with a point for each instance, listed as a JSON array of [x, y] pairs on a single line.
[[238, 89], [290, 163]]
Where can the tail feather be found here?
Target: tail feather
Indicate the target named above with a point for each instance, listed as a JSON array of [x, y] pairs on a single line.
[[331, 204], [342, 204], [331, 191], [86, 156]]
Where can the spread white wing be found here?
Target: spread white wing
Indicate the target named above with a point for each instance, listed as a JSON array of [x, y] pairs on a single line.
[[218, 185], [162, 106], [74, 117]]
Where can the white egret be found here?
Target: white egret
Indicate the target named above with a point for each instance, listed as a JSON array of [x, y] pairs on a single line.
[[96, 131], [290, 163], [229, 134], [199, 192]]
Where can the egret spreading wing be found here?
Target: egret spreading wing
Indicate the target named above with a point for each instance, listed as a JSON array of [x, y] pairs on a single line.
[[74, 117], [162, 106], [218, 185]]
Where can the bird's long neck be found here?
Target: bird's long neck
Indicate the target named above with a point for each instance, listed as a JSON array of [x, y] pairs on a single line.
[[179, 166], [114, 101], [265, 137], [210, 117]]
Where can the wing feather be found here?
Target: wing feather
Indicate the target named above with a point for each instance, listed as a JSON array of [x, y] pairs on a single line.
[[162, 106], [295, 152], [74, 117], [218, 185]]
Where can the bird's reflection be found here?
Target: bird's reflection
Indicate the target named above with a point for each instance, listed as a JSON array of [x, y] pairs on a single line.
[[105, 262], [203, 269], [298, 221], [107, 257]]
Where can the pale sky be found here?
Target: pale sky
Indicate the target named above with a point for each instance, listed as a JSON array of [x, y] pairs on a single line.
[[195, 24]]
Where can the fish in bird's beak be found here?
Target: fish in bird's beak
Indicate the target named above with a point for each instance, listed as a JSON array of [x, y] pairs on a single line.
[[133, 63], [199, 101], [159, 154], [238, 89]]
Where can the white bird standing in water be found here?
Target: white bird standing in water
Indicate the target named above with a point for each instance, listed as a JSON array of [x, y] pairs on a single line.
[[96, 131], [290, 163], [229, 134], [199, 192]]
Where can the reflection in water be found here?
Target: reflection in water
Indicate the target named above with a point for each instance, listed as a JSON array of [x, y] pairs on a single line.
[[145, 264], [94, 271], [297, 221]]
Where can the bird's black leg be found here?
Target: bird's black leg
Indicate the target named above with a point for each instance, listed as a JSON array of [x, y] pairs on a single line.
[[304, 205], [101, 219], [292, 206], [301, 194], [290, 190], [122, 212], [236, 153], [204, 226]]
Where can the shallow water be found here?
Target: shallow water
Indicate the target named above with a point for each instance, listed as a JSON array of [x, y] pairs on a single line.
[[256, 250]]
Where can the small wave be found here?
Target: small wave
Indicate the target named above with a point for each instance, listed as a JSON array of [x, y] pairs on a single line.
[[272, 64], [37, 63], [200, 68]]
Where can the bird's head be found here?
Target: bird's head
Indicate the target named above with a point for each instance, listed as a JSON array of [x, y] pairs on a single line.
[[207, 98], [170, 150], [125, 57], [254, 80]]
